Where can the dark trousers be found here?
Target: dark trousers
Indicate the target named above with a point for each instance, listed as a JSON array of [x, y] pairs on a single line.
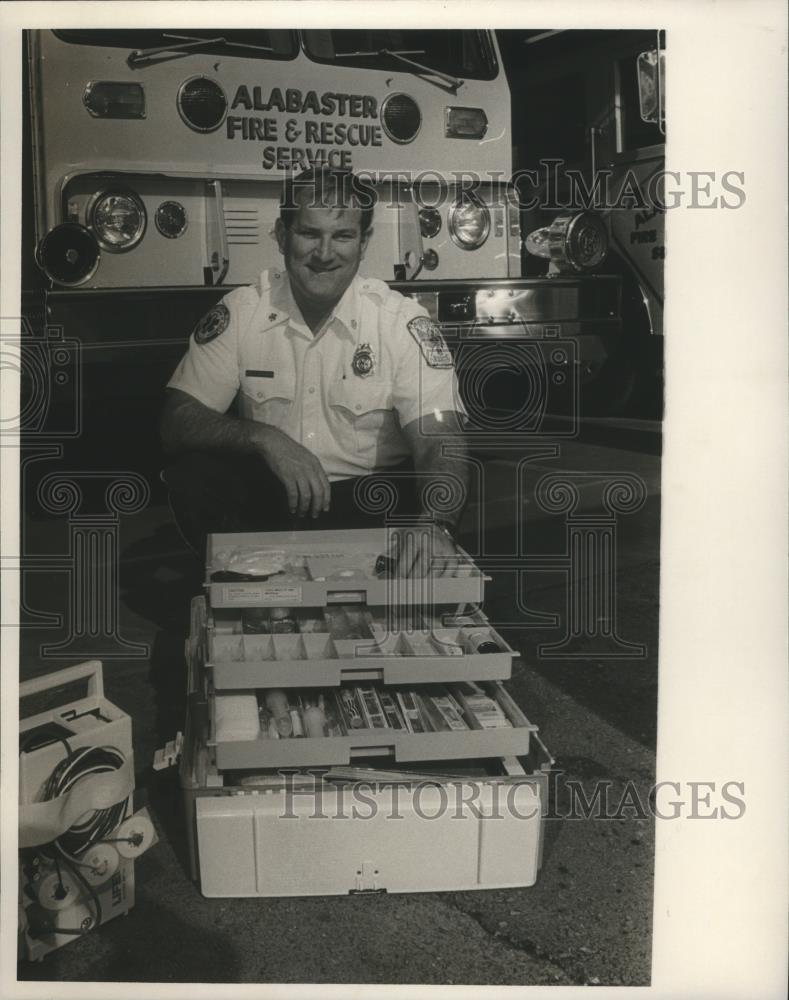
[[212, 493]]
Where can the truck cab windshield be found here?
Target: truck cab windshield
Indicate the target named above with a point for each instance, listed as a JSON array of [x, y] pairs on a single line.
[[456, 54], [179, 42]]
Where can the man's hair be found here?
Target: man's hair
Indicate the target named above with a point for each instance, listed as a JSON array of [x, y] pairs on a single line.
[[327, 188]]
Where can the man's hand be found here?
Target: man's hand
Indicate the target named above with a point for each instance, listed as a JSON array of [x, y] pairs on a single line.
[[299, 471], [189, 424], [423, 549]]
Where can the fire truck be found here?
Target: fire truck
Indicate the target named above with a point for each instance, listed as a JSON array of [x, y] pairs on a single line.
[[154, 166], [593, 135]]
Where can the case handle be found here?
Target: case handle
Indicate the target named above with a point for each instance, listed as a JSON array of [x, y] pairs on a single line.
[[91, 669], [42, 822]]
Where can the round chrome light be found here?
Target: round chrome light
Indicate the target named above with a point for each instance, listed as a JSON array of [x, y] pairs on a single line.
[[430, 260], [577, 241], [469, 222], [118, 219], [202, 104], [401, 118], [68, 254], [171, 220], [429, 221]]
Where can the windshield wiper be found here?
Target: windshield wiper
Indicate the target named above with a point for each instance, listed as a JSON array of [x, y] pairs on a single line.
[[141, 55], [185, 42], [235, 45], [402, 56]]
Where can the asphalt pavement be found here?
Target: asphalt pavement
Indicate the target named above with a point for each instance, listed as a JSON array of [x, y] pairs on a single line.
[[591, 688]]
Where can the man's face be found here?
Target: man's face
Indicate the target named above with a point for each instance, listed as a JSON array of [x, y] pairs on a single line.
[[323, 248]]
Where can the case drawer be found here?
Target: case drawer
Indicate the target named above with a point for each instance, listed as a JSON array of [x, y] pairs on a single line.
[[323, 567], [314, 659], [468, 835], [397, 745]]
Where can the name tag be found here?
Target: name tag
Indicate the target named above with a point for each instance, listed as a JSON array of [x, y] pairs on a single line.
[[258, 373]]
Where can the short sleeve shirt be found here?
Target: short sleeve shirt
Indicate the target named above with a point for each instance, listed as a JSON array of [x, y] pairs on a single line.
[[376, 365]]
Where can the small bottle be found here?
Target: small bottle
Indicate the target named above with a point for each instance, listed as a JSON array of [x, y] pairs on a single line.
[[314, 721], [277, 704], [256, 621], [336, 623], [282, 620], [358, 623], [334, 725], [310, 621], [295, 722]]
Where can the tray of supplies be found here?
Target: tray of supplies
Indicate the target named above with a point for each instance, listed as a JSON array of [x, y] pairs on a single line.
[[276, 727], [316, 568], [325, 647]]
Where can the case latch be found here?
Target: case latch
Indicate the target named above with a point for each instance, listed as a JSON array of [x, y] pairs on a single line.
[[366, 878], [168, 755]]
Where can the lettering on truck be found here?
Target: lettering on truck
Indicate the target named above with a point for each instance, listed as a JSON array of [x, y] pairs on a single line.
[[313, 134]]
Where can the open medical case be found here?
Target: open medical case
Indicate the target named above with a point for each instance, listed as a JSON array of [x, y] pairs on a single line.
[[349, 731], [78, 833]]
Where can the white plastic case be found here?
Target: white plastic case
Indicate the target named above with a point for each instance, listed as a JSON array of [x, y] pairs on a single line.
[[472, 825]]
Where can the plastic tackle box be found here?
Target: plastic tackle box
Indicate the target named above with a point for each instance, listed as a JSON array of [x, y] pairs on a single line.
[[451, 806]]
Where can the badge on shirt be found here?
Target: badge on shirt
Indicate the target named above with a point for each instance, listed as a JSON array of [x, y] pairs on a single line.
[[427, 334], [363, 361], [214, 322]]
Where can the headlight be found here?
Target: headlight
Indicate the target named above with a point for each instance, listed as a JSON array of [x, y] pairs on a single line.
[[469, 222], [429, 221], [118, 219]]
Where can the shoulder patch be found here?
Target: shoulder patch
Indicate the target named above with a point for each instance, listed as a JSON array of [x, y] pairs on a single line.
[[427, 333], [214, 323]]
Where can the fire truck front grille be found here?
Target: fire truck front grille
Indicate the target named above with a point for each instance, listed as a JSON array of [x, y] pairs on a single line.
[[242, 226]]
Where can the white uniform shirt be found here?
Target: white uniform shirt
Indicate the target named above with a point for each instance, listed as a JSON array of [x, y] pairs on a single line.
[[313, 387]]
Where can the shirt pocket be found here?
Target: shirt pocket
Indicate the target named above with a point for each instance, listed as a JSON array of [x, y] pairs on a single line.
[[268, 399], [362, 412]]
